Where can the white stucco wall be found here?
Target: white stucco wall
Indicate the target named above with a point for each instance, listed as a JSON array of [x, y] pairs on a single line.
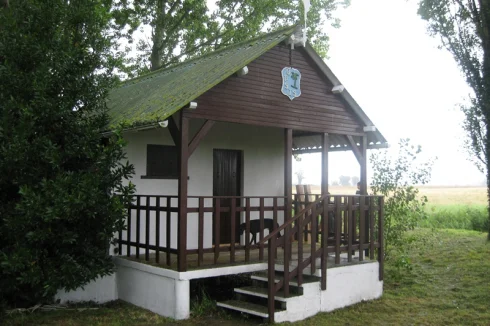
[[301, 307], [262, 173], [150, 288], [102, 290], [348, 285]]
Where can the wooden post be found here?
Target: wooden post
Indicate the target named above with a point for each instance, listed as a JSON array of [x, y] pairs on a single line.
[[157, 230], [325, 146], [364, 191], [182, 189], [363, 165], [288, 193], [381, 251], [324, 227]]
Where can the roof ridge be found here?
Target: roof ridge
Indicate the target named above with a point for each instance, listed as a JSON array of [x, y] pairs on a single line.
[[183, 64]]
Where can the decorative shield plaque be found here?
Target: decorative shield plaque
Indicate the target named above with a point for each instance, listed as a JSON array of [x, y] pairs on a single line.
[[291, 79]]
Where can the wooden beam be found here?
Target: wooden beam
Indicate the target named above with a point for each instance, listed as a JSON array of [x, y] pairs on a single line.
[[355, 149], [364, 214], [182, 189], [363, 164], [324, 222], [325, 146], [336, 149], [174, 130], [200, 135]]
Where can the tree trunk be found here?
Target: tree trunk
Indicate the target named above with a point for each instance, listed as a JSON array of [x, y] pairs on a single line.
[[487, 148], [157, 36]]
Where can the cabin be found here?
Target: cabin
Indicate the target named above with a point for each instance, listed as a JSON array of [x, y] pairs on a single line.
[[212, 141]]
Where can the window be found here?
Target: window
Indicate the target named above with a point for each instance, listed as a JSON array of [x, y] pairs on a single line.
[[161, 162]]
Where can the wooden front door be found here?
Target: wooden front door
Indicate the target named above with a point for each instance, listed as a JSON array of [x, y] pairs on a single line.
[[227, 174]]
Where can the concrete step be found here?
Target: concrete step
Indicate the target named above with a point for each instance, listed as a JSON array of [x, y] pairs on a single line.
[[262, 292], [246, 307]]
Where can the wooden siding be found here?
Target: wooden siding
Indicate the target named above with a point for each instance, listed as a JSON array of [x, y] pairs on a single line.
[[256, 98]]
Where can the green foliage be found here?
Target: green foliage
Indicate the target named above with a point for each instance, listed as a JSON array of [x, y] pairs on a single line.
[[396, 179], [203, 304], [57, 174], [354, 180], [463, 28], [456, 217], [185, 29]]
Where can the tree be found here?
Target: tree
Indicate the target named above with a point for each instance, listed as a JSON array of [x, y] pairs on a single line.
[[344, 180], [396, 178], [58, 213], [354, 180], [300, 174], [186, 28], [464, 29]]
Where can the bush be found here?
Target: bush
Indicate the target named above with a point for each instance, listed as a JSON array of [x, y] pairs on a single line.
[[57, 173], [394, 178]]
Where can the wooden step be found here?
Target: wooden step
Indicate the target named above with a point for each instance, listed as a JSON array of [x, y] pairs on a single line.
[[264, 277], [247, 307], [263, 293]]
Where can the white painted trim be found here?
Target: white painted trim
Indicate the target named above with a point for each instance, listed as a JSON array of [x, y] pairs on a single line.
[[190, 275], [221, 271], [147, 268]]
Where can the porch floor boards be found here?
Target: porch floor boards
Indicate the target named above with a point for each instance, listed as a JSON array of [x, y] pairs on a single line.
[[224, 258]]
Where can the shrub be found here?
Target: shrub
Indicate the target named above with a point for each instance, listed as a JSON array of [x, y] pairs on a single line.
[[57, 174], [394, 178]]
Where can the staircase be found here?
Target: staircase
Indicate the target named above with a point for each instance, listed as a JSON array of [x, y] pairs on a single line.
[[253, 299], [289, 290]]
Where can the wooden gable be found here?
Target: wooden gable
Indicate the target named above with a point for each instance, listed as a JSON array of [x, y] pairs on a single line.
[[256, 98]]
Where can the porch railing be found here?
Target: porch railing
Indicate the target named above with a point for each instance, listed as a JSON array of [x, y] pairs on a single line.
[[244, 206], [329, 224], [151, 227], [357, 225]]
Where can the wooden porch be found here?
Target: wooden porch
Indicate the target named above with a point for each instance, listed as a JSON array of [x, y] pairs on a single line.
[[353, 225], [224, 258]]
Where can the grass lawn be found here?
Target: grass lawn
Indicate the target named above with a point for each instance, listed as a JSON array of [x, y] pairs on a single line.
[[449, 284]]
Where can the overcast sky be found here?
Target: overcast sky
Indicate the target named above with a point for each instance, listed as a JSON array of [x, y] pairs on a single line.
[[406, 85]]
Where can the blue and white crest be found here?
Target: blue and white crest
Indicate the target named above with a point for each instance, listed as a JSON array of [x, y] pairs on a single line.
[[291, 82]]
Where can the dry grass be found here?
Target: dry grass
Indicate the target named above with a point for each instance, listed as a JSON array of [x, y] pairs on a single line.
[[437, 195]]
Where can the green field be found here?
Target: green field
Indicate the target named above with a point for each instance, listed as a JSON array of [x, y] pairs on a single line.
[[448, 207], [437, 195]]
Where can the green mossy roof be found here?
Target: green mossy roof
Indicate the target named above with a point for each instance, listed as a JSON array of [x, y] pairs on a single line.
[[156, 96]]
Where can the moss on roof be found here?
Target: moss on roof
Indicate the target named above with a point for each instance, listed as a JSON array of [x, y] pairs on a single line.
[[156, 96]]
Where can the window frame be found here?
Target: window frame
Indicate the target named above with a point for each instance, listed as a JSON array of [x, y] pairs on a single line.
[[170, 175]]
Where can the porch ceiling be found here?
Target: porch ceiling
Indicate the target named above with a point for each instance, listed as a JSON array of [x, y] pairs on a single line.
[[311, 143]]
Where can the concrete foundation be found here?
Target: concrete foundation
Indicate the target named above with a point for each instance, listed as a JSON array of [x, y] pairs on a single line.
[[167, 293]]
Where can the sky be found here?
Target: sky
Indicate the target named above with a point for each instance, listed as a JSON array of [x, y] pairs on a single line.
[[408, 87]]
